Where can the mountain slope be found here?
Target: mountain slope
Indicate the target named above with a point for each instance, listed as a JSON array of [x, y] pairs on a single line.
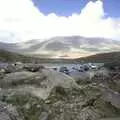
[[12, 57], [6, 56], [59, 47], [102, 57]]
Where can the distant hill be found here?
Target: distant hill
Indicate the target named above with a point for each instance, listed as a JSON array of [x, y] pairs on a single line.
[[111, 57], [6, 56], [63, 47], [102, 57]]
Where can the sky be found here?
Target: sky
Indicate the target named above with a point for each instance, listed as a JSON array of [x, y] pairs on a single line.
[[68, 7], [23, 20]]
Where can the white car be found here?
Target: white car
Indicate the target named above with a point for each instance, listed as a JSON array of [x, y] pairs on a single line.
[[93, 67]]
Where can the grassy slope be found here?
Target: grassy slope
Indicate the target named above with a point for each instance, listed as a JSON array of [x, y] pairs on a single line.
[[103, 57], [12, 57]]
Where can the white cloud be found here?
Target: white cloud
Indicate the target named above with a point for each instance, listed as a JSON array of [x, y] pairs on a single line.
[[25, 21]]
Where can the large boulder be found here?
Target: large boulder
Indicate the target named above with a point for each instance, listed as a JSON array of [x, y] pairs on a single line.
[[38, 83]]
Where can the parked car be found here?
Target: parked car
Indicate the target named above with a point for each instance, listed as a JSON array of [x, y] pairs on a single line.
[[79, 68], [93, 67], [86, 67], [64, 70]]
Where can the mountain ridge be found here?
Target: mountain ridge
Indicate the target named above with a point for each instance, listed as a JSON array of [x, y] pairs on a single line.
[[66, 46]]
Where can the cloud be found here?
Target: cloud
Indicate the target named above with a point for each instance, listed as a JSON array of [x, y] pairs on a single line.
[[20, 20]]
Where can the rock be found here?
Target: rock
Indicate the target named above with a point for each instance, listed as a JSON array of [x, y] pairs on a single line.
[[112, 118], [89, 113], [47, 101], [58, 79], [44, 116], [17, 67], [25, 103], [2, 70], [10, 68], [27, 106], [8, 112], [112, 97], [43, 94], [20, 78], [45, 81], [45, 85], [33, 67], [62, 104]]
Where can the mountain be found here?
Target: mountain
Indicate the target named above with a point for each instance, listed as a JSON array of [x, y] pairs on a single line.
[[63, 47]]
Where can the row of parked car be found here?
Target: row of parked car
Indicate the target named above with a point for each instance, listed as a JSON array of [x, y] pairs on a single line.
[[80, 68]]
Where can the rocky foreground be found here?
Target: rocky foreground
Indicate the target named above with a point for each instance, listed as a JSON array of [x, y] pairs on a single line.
[[32, 92]]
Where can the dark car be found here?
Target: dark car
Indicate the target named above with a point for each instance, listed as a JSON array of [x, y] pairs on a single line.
[[86, 68], [64, 70]]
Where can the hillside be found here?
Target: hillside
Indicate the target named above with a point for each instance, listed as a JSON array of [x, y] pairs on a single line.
[[12, 57], [102, 57], [7, 56], [63, 47]]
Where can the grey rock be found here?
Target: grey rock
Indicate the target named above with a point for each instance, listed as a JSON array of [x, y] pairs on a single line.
[[33, 67], [89, 114], [44, 116], [8, 112], [20, 78], [113, 118]]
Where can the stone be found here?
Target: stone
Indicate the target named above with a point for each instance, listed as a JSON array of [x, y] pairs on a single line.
[[44, 116], [8, 112]]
